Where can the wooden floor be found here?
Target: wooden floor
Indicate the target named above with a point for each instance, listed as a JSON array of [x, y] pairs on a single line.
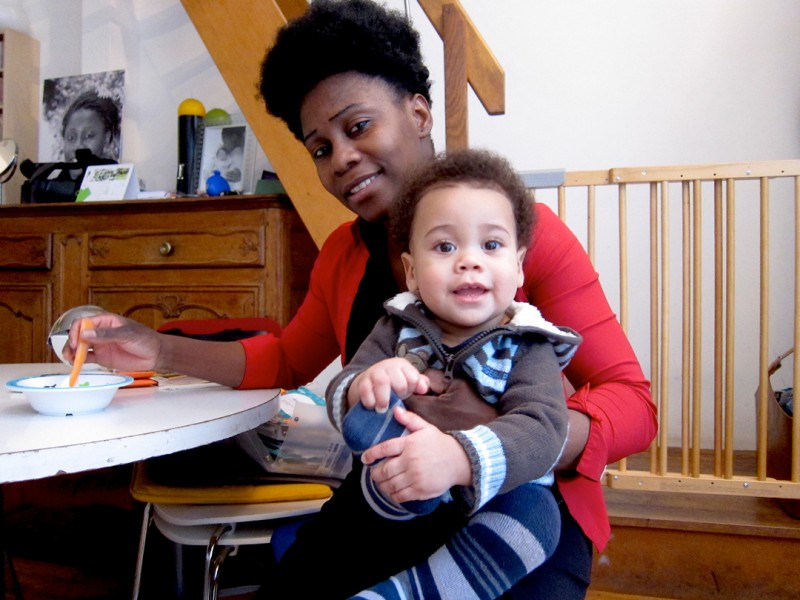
[[77, 537], [70, 554], [89, 557]]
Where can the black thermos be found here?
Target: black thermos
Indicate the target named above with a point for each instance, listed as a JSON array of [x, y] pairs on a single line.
[[191, 117]]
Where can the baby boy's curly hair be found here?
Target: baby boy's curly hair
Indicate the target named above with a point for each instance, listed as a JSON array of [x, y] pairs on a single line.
[[336, 36], [474, 168]]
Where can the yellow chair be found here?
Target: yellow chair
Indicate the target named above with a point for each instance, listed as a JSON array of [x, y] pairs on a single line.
[[221, 518], [219, 512]]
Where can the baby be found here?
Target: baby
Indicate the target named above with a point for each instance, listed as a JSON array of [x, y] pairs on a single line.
[[464, 222]]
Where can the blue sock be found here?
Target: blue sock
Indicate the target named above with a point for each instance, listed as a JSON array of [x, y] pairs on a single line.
[[363, 428], [502, 543]]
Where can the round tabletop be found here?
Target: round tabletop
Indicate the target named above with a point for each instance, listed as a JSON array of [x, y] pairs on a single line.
[[139, 423]]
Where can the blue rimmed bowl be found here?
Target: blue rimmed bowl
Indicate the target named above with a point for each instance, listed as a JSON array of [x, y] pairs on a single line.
[[49, 395]]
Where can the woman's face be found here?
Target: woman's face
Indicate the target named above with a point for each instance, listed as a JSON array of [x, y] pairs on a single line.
[[364, 140], [85, 129]]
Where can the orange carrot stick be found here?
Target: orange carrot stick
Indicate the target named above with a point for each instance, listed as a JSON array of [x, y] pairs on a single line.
[[80, 353]]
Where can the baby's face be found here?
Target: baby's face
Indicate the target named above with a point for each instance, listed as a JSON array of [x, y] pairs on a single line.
[[464, 259], [85, 129]]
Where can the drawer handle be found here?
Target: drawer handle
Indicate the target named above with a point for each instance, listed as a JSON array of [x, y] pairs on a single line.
[[165, 249]]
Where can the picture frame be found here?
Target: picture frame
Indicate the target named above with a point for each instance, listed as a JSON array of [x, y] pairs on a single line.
[[229, 149]]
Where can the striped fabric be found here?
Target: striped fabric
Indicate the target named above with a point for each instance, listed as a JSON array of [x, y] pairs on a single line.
[[513, 535]]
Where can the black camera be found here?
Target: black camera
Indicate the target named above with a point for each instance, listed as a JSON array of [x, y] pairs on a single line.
[[59, 181]]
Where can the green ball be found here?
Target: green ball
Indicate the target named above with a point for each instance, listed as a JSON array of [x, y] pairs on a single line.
[[217, 116]]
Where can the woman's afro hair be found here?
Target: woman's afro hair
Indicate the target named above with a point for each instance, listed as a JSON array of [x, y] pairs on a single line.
[[336, 36]]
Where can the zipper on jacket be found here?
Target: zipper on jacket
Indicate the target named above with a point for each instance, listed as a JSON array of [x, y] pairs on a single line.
[[449, 359]]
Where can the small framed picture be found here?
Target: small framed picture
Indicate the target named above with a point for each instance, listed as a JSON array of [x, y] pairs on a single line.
[[229, 149]]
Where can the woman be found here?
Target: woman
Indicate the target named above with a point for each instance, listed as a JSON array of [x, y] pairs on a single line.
[[91, 122], [348, 79]]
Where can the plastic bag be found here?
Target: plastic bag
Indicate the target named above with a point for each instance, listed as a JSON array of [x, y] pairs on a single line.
[[299, 440]]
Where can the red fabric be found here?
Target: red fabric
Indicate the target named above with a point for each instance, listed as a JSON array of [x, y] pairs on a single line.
[[561, 282]]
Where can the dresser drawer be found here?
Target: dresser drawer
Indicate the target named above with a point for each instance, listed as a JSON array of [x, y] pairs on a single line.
[[26, 251], [146, 249]]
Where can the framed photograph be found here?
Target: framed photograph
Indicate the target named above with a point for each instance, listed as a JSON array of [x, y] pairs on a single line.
[[83, 111], [229, 149]]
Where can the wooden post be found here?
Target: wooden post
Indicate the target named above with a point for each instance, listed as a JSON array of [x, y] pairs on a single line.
[[455, 78]]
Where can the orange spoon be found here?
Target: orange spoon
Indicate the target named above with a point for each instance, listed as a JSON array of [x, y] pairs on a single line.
[[80, 353]]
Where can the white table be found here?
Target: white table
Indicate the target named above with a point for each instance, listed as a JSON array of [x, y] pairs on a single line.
[[139, 423]]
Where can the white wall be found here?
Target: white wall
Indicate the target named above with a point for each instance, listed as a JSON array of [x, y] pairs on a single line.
[[597, 84]]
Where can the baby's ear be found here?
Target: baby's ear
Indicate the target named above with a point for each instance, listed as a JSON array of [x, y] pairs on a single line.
[[520, 261], [408, 267]]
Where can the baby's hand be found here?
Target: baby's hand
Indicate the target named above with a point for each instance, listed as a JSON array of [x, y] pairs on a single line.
[[372, 387], [421, 465]]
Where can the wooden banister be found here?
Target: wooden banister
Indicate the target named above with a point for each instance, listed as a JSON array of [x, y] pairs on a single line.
[[455, 78], [484, 72], [467, 59]]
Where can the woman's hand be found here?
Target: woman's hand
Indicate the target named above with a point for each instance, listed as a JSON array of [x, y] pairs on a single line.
[[579, 424], [116, 343], [421, 465]]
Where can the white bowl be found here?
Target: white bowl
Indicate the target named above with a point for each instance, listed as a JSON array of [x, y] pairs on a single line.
[[92, 393]]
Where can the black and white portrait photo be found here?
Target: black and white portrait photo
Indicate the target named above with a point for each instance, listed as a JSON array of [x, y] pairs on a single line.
[[83, 111]]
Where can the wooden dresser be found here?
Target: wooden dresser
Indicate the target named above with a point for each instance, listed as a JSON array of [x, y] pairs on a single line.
[[151, 260]]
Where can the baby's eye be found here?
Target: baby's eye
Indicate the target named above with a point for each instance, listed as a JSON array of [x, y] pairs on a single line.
[[492, 245], [445, 247]]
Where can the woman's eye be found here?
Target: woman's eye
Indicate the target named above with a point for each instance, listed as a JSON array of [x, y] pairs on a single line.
[[319, 152], [359, 127]]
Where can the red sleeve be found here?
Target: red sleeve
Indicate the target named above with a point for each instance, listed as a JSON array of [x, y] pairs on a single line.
[[316, 334], [611, 387]]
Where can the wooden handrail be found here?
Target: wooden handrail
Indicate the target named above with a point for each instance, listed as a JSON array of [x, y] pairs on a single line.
[[467, 60], [484, 72]]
